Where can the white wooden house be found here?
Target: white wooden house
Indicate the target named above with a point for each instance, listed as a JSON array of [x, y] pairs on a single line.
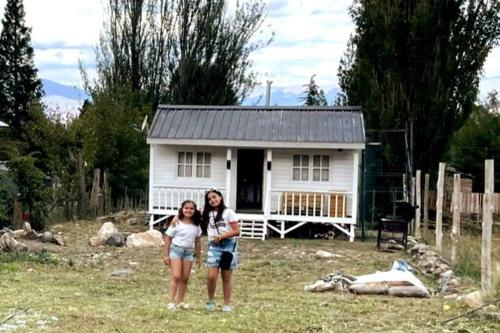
[[285, 165]]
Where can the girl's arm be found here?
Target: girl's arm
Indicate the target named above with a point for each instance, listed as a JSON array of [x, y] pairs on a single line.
[[235, 231], [166, 250], [197, 248]]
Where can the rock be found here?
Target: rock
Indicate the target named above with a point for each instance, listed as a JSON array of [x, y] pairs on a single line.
[[121, 272], [96, 241], [116, 239], [19, 233], [47, 237], [396, 246], [131, 221], [320, 286], [473, 299], [150, 238], [59, 240], [453, 283], [440, 269], [107, 229], [326, 255], [26, 226], [32, 234], [9, 243]]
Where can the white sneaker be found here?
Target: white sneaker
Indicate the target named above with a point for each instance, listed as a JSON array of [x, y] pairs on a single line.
[[183, 305], [171, 306]]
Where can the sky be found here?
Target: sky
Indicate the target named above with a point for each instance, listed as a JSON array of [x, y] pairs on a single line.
[[309, 38]]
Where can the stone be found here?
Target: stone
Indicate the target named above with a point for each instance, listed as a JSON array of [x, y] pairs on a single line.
[[19, 233], [47, 237], [116, 239], [473, 299], [395, 246], [440, 269], [9, 243], [59, 240], [327, 255], [32, 234], [121, 272], [96, 241], [131, 221], [107, 229], [26, 226], [150, 238]]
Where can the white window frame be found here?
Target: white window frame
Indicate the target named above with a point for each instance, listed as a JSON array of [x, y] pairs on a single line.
[[306, 172], [203, 165], [323, 168], [183, 166], [302, 168]]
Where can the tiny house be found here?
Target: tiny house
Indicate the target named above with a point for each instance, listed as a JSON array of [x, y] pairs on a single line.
[[277, 167]]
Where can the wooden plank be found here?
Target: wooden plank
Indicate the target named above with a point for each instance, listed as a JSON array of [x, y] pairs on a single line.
[[489, 180], [439, 207], [413, 182], [426, 204], [418, 202], [455, 229]]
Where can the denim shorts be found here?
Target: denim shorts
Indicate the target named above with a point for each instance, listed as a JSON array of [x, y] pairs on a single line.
[[215, 252], [179, 252]]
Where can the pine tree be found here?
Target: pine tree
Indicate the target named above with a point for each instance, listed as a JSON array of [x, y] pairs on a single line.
[[313, 94], [19, 84]]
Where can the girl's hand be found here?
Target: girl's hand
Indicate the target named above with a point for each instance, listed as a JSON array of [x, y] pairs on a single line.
[[166, 261], [216, 239], [175, 221]]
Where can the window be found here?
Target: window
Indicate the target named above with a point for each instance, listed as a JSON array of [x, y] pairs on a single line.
[[185, 164], [203, 161], [301, 167], [321, 167]]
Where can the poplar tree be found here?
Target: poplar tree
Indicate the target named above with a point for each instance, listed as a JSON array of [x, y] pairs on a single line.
[[19, 84]]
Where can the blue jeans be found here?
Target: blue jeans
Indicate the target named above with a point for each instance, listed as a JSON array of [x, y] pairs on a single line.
[[183, 253], [215, 252]]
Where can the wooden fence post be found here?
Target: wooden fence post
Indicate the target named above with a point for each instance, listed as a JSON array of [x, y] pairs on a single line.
[[418, 202], [426, 204], [82, 195], [439, 207], [413, 204], [455, 229], [94, 195], [489, 181]]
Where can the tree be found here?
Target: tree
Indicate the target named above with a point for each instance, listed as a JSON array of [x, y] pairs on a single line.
[[209, 61], [478, 140], [313, 94], [19, 84], [418, 62]]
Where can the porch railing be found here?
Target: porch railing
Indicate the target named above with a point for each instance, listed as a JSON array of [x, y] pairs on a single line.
[[310, 204], [165, 198]]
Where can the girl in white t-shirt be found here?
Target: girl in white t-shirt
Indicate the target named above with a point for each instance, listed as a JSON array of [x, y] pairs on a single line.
[[222, 230], [182, 245]]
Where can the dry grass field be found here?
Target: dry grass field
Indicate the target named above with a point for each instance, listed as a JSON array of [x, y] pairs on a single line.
[[70, 289]]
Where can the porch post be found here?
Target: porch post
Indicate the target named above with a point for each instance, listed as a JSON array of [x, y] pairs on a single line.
[[267, 207], [150, 203], [355, 185], [228, 175]]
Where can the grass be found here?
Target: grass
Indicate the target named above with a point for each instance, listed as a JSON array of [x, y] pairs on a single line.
[[76, 292]]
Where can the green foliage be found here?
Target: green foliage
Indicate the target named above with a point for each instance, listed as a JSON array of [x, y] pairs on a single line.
[[476, 141], [19, 84], [209, 62], [113, 143], [418, 61], [39, 257], [34, 188], [313, 94]]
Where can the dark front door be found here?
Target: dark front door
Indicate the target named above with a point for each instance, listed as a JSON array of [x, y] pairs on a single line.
[[249, 182]]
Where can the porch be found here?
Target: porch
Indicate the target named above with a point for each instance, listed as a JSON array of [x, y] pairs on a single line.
[[289, 209]]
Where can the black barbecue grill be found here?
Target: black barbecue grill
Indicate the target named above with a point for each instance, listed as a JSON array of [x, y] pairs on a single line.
[[396, 225]]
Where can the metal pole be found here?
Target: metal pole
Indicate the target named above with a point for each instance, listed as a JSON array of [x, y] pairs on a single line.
[[268, 92]]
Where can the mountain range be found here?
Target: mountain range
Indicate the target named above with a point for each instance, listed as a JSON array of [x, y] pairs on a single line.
[[66, 100]]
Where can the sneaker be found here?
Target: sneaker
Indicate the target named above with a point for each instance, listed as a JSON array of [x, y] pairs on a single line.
[[227, 308], [183, 305], [210, 306], [171, 306]]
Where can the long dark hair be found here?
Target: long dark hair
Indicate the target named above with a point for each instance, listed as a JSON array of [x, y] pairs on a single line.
[[207, 209], [196, 216]]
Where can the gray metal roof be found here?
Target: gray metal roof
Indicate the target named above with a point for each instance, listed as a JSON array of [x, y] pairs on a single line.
[[275, 124]]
